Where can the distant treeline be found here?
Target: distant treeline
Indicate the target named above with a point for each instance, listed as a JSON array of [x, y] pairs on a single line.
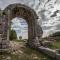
[[55, 34]]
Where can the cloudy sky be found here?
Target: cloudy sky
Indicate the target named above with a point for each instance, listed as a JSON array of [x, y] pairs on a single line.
[[20, 26], [47, 10]]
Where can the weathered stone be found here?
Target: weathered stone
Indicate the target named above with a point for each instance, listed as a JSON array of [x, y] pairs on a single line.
[[58, 56], [8, 58], [20, 10], [47, 43]]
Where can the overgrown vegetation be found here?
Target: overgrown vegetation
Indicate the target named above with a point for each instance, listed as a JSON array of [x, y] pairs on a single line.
[[13, 35], [27, 54], [55, 39], [56, 34], [55, 45]]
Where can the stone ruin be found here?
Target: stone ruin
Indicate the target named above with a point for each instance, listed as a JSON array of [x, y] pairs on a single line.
[[34, 29], [19, 10]]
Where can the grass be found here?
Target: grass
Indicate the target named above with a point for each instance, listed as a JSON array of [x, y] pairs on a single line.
[[20, 40], [55, 45], [28, 54]]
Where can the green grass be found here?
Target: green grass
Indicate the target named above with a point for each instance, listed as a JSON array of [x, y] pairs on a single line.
[[28, 54], [20, 40], [55, 45]]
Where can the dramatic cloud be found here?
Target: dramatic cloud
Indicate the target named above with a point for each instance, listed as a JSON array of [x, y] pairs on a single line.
[[50, 16], [20, 26], [47, 10]]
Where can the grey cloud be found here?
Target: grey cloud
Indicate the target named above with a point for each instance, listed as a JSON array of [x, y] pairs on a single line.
[[58, 27], [55, 13], [46, 27], [4, 3]]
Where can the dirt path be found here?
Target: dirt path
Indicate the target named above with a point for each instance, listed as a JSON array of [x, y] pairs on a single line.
[[16, 47]]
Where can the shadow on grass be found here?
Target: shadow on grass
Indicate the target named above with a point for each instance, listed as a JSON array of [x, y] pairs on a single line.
[[28, 54]]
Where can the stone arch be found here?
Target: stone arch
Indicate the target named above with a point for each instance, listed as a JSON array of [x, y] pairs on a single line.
[[34, 29]]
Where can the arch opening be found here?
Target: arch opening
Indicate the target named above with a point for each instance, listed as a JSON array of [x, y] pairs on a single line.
[[20, 26], [22, 11]]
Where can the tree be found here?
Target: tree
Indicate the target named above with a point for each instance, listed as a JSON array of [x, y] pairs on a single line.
[[20, 37], [56, 34], [12, 35]]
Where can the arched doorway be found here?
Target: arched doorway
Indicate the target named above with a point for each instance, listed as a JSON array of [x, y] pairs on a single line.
[[20, 27], [34, 29]]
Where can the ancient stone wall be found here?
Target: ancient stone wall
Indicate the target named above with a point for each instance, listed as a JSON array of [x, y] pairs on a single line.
[[19, 10]]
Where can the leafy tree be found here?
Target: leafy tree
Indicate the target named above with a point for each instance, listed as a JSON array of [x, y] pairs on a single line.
[[56, 34], [12, 35], [20, 37]]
